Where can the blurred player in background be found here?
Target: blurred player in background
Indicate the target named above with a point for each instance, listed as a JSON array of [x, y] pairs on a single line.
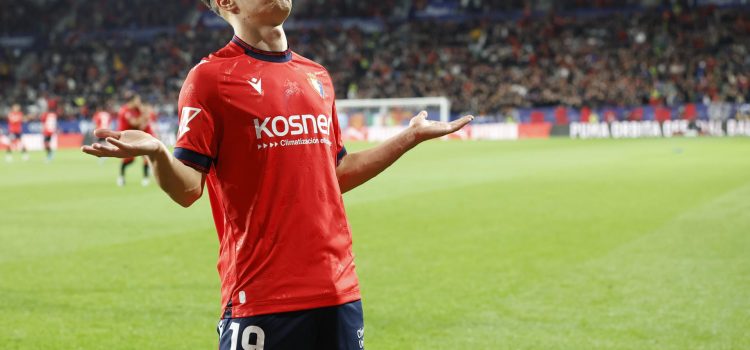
[[49, 129], [15, 131], [102, 119], [133, 115], [150, 113], [259, 123]]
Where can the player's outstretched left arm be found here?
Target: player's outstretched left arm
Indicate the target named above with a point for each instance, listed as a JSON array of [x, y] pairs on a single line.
[[181, 182], [357, 168]]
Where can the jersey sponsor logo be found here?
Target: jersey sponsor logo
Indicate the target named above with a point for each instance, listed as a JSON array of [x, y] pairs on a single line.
[[188, 114], [294, 125], [257, 84]]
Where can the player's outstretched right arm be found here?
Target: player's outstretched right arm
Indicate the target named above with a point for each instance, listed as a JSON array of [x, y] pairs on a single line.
[[181, 182]]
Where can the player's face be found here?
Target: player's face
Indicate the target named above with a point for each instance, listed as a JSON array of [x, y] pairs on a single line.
[[16, 108], [265, 12]]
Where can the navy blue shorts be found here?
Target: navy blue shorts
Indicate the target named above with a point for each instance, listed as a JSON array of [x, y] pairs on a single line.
[[330, 328]]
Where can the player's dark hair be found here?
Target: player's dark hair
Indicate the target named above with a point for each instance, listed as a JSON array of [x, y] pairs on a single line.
[[212, 5]]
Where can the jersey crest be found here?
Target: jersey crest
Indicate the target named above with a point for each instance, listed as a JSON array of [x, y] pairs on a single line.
[[316, 84]]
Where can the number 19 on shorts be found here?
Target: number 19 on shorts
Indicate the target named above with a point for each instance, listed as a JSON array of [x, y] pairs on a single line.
[[250, 338]]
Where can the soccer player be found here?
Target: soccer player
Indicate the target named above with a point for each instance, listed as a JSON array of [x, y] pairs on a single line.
[[258, 124], [15, 129], [102, 118], [49, 129], [152, 117], [132, 116]]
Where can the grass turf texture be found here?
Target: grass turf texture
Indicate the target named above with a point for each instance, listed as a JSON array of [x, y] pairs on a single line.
[[558, 244]]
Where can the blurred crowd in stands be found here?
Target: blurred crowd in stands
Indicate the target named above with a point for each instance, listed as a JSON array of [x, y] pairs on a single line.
[[484, 64]]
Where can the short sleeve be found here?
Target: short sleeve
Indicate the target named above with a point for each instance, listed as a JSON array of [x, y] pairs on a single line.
[[196, 137], [338, 140]]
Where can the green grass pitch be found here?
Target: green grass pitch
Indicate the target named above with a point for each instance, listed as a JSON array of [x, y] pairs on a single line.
[[553, 244]]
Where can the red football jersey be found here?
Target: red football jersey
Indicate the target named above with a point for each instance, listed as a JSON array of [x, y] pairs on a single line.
[[152, 119], [127, 115], [49, 123], [263, 126], [15, 122], [102, 120]]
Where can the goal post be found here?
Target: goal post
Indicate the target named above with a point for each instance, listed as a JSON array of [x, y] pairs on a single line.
[[383, 106], [379, 119]]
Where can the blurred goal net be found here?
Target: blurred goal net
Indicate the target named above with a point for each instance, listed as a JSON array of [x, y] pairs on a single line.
[[379, 119]]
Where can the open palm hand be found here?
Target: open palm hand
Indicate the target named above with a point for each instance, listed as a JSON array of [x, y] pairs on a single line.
[[123, 144], [425, 129]]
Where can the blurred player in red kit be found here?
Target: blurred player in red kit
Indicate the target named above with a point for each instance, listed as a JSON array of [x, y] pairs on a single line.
[[49, 129], [134, 116], [258, 125], [15, 131], [152, 117], [102, 117]]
